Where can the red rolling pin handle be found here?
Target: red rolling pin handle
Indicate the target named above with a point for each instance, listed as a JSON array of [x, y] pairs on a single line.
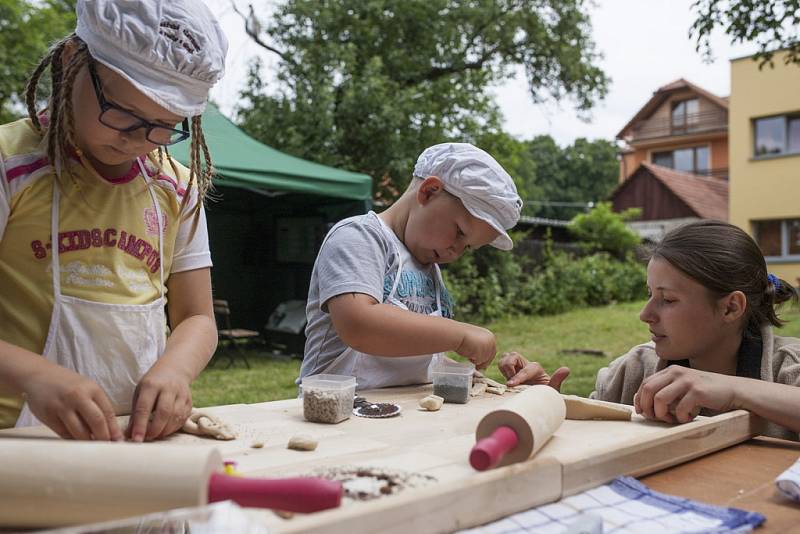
[[488, 452], [302, 495]]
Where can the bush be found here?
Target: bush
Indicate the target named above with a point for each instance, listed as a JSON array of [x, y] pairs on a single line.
[[603, 229], [490, 284]]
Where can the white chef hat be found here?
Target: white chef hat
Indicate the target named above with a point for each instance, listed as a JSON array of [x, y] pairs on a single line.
[[475, 177], [173, 51]]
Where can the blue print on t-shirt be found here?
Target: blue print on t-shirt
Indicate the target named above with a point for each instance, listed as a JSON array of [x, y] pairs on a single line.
[[417, 291]]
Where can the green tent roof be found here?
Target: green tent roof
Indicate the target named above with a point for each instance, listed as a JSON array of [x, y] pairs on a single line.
[[241, 161]]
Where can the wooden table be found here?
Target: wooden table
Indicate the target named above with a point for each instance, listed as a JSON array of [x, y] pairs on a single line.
[[742, 476], [581, 455]]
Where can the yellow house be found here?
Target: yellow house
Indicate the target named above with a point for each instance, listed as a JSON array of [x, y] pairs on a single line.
[[764, 159]]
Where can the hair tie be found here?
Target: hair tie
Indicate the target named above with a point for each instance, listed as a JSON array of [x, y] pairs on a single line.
[[774, 280]]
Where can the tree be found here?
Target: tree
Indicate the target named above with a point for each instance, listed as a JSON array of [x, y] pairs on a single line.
[[26, 30], [569, 179], [772, 24], [367, 85]]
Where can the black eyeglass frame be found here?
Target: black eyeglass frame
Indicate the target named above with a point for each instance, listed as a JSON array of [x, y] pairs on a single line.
[[105, 106]]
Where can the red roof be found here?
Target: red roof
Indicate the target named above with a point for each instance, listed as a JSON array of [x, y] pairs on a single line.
[[661, 94], [706, 196]]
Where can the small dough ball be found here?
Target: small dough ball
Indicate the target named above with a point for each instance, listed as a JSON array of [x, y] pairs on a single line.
[[431, 403], [302, 442], [257, 444]]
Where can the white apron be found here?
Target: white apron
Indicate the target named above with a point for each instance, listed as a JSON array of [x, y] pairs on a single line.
[[112, 344], [373, 372]]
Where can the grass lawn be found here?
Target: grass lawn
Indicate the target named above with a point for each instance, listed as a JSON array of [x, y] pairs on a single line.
[[612, 329]]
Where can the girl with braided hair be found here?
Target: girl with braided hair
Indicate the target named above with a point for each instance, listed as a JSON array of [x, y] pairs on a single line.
[[711, 315], [98, 224]]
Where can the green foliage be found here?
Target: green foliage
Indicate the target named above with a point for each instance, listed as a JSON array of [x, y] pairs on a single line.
[[772, 24], [368, 85], [26, 31], [586, 171], [603, 229], [489, 284]]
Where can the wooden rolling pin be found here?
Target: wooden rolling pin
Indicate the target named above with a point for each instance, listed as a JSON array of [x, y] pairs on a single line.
[[518, 429], [46, 482]]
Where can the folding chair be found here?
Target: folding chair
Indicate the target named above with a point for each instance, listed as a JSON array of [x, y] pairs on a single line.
[[229, 335]]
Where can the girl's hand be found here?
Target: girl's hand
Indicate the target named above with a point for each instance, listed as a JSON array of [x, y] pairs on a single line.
[[73, 406], [161, 404], [518, 370], [677, 394]]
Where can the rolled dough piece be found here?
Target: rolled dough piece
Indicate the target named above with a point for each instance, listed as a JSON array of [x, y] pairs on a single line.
[[480, 378], [431, 403], [202, 423], [478, 389], [496, 390], [582, 409], [302, 442]]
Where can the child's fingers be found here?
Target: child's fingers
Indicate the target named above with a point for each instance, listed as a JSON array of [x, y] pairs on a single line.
[[95, 419], [142, 408], [162, 414], [104, 404], [75, 426]]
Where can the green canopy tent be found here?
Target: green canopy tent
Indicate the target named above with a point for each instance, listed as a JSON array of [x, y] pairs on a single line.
[[267, 218]]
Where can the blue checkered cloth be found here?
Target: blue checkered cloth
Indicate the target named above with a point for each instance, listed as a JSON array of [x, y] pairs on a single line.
[[627, 505]]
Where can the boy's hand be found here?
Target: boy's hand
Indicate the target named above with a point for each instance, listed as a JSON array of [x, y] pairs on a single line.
[[518, 370], [73, 406], [165, 395], [478, 346], [677, 394]]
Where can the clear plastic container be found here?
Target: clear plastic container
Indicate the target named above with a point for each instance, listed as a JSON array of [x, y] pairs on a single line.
[[328, 398], [452, 380]]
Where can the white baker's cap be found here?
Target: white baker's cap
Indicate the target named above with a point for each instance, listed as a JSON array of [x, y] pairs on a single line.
[[173, 51], [484, 187]]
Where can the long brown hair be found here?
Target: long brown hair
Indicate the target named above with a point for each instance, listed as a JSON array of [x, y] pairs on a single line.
[[59, 133], [723, 258]]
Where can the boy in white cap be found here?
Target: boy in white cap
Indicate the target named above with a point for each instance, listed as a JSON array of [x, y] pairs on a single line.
[[98, 223], [377, 306]]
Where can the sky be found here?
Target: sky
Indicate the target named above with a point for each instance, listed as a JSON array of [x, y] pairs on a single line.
[[645, 44]]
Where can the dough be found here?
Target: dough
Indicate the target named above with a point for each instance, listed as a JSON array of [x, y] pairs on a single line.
[[582, 409], [257, 445], [499, 389], [478, 389], [203, 423], [302, 442], [431, 403]]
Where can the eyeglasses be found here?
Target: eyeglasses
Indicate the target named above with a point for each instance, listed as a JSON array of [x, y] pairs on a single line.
[[122, 120]]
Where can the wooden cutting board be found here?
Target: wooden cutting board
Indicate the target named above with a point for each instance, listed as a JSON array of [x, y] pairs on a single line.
[[581, 455]]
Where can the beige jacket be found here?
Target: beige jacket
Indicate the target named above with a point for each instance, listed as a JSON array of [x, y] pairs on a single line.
[[780, 363]]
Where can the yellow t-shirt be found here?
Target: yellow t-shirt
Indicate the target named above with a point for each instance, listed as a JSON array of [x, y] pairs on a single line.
[[108, 239]]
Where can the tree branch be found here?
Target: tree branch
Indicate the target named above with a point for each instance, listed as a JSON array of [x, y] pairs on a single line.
[[253, 33]]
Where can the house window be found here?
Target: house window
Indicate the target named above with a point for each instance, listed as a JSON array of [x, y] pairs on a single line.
[[693, 159], [778, 238], [777, 135], [684, 114]]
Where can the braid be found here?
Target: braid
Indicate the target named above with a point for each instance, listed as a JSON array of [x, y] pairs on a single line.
[[59, 133], [32, 86], [67, 133]]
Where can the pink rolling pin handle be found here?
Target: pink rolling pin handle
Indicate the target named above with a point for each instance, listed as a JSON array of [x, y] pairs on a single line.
[[488, 452], [302, 495]]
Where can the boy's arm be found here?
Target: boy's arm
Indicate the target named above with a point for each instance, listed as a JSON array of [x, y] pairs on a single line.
[[385, 330], [164, 391]]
